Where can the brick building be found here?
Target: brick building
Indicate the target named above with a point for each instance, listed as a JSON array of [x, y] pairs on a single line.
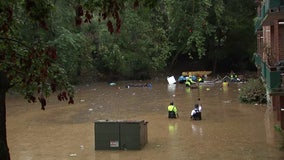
[[269, 57]]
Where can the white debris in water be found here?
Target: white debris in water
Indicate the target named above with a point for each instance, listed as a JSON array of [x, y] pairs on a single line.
[[91, 109], [82, 147], [73, 155], [82, 100], [133, 93], [228, 101]]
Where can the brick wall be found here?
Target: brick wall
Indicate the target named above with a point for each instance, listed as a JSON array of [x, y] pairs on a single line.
[[276, 41], [276, 105]]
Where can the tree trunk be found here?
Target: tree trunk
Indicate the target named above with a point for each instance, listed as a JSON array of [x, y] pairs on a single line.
[[4, 86], [214, 65], [173, 61]]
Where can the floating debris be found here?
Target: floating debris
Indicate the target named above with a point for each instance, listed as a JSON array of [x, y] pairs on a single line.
[[112, 84], [228, 101], [171, 80], [149, 85], [73, 155]]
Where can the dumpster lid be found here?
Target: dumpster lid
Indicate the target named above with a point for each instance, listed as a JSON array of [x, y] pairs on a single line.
[[114, 121]]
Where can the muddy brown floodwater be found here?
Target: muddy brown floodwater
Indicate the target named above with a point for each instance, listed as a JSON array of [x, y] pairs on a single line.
[[229, 130]]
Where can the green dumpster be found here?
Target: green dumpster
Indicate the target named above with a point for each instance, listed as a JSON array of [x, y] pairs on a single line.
[[120, 135]]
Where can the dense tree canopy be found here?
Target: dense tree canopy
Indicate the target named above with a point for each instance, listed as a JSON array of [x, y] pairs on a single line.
[[46, 45]]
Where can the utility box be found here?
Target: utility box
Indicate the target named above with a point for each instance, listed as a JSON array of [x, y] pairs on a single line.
[[120, 135]]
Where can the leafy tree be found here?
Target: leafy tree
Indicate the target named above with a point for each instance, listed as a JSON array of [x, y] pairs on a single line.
[[147, 45], [72, 43], [141, 46], [73, 51], [28, 63], [217, 39], [33, 63], [191, 26], [219, 32], [46, 44], [233, 42]]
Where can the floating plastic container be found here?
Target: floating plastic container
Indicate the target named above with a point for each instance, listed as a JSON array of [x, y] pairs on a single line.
[[120, 135], [171, 80]]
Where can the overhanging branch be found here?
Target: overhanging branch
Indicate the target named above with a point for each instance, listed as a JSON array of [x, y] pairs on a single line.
[[16, 41]]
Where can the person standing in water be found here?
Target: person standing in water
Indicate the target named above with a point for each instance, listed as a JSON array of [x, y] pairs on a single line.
[[172, 111], [195, 113]]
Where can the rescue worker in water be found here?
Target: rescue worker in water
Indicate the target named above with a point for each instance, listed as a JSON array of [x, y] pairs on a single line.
[[189, 82], [172, 111], [196, 112]]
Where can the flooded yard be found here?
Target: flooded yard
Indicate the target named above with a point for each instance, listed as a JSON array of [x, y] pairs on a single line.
[[228, 130]]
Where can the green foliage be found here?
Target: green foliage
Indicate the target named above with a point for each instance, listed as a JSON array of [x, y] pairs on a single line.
[[218, 31], [73, 51], [141, 47], [253, 92], [145, 41], [27, 60], [38, 10], [235, 36], [44, 44], [191, 25]]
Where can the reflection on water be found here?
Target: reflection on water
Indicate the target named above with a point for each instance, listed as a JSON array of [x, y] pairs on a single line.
[[172, 128], [225, 87], [171, 89], [196, 129], [269, 126], [187, 90]]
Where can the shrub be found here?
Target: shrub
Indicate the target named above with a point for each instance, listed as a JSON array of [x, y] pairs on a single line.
[[253, 92]]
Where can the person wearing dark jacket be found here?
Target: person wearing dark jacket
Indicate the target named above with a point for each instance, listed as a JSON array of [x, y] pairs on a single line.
[[196, 112]]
